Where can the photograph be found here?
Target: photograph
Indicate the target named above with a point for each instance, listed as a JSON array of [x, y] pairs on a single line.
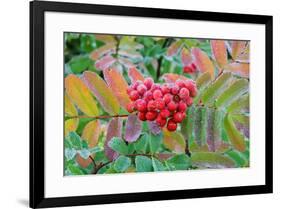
[[136, 103]]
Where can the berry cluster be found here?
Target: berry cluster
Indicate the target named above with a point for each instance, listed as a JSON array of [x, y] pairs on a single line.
[[191, 68], [166, 103]]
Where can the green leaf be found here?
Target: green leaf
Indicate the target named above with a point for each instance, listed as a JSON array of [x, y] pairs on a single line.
[[239, 159], [69, 153], [157, 165], [79, 63], [216, 88], [122, 163], [74, 170], [174, 141], [233, 92], [75, 140], [155, 142], [235, 137], [143, 164], [211, 160], [179, 162], [118, 145], [239, 105], [141, 144]]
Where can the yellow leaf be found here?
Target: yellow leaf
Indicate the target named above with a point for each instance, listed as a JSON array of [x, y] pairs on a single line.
[[70, 125], [174, 141], [81, 95], [70, 109], [91, 133], [102, 92]]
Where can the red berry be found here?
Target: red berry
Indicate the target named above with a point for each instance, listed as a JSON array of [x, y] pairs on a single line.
[[148, 96], [148, 82], [175, 89], [172, 125], [188, 69], [157, 94], [161, 121], [141, 89], [172, 106], [151, 105], [160, 104], [178, 117], [134, 95], [155, 87], [141, 105], [189, 101], [151, 115], [184, 93], [141, 116], [165, 89], [193, 66], [182, 106], [176, 98], [129, 90], [130, 107], [165, 113], [167, 98], [180, 83], [191, 86], [135, 85]]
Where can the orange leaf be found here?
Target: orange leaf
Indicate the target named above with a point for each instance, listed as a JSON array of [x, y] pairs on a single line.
[[237, 47], [172, 77], [70, 109], [241, 69], [91, 133], [81, 95], [118, 84], [174, 48], [174, 141], [83, 162], [219, 52], [101, 51], [102, 92], [202, 61], [135, 75]]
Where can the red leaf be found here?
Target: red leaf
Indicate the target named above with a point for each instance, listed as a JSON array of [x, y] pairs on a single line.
[[105, 62], [219, 52]]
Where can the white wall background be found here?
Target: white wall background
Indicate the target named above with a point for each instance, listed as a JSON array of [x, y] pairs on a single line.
[[14, 102]]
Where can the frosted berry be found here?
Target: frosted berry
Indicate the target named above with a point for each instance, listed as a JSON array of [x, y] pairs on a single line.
[[167, 98], [172, 106], [151, 115], [161, 121], [175, 89], [130, 107], [148, 82], [182, 106], [184, 93], [141, 89], [157, 94], [160, 104], [165, 113], [141, 105], [172, 125], [151, 105], [178, 117], [165, 89], [134, 95], [141, 116]]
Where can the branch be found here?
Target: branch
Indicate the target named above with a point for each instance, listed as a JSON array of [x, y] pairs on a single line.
[[158, 71], [98, 117]]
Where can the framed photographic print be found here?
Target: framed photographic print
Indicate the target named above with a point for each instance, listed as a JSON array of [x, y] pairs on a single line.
[[140, 104]]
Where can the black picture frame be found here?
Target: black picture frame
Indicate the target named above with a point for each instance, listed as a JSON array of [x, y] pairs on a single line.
[[37, 10]]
